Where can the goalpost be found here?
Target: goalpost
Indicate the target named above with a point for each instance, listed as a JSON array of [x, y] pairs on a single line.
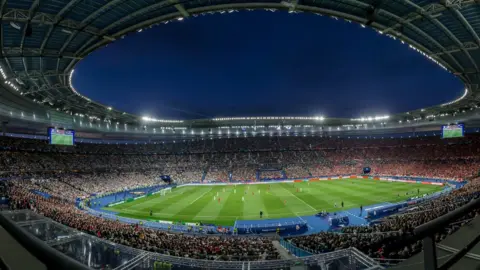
[[164, 191]]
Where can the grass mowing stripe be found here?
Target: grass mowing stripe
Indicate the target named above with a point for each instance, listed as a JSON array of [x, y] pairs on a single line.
[[195, 203], [200, 196], [311, 207], [233, 201]]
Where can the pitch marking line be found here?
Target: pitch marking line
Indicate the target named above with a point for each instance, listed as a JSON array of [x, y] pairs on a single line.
[[300, 199], [200, 196]]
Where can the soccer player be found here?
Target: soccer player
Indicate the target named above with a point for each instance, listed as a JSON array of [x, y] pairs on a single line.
[[342, 204], [243, 199], [151, 212], [259, 191], [335, 205], [234, 191], [219, 199], [284, 202], [253, 193], [214, 198], [261, 214]]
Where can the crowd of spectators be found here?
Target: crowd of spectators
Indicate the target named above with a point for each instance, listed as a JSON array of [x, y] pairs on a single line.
[[390, 238], [197, 247], [297, 156], [70, 172]]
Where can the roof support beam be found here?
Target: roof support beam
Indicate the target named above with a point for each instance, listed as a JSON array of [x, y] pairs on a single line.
[[180, 8], [467, 25], [3, 6], [431, 9], [469, 46], [458, 3], [22, 16], [85, 23], [199, 10], [401, 21], [104, 31], [44, 88], [35, 74], [31, 13], [59, 16], [445, 29], [35, 52]]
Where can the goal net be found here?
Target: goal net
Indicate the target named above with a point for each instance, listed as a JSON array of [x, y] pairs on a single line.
[[165, 191]]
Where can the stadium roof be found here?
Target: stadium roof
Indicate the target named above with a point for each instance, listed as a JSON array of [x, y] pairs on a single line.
[[42, 41]]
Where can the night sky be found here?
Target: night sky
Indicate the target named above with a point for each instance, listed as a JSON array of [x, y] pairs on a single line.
[[262, 64]]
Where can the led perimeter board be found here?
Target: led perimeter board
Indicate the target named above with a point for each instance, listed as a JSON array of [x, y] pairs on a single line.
[[453, 131], [61, 136]]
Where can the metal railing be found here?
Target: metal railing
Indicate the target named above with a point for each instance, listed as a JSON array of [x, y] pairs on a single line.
[[80, 248], [43, 252], [295, 251], [428, 230]]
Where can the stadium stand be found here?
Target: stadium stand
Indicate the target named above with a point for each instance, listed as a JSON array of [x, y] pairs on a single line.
[[69, 173]]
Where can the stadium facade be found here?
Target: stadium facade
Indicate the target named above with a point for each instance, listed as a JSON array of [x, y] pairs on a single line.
[[43, 41]]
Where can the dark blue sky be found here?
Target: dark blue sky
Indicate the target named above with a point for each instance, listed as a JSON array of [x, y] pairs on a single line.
[[261, 64]]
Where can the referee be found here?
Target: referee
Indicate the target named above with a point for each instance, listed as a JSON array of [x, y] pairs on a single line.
[[261, 214]]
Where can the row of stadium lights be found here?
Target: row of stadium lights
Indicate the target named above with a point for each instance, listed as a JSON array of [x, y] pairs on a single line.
[[279, 129], [212, 138], [163, 142], [9, 83]]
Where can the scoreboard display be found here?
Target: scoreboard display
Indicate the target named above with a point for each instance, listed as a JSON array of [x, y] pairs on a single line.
[[453, 131], [61, 136]]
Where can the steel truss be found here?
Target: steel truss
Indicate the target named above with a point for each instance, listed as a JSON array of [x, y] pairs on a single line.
[[36, 52], [34, 74], [23, 16]]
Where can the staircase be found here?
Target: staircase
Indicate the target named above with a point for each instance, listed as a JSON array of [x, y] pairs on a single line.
[[284, 253]]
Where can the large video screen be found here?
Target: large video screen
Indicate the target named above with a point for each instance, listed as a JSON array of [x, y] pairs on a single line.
[[453, 131], [61, 136]]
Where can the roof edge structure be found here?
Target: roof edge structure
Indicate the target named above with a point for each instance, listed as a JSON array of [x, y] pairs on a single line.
[[42, 44]]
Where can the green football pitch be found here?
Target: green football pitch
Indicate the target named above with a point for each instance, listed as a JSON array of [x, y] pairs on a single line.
[[61, 139], [453, 133], [277, 200]]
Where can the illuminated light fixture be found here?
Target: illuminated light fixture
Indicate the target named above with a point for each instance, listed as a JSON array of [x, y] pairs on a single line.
[[109, 108], [370, 119], [180, 19], [73, 88], [456, 100], [149, 119], [321, 118]]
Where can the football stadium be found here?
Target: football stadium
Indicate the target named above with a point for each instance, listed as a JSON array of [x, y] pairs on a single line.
[[89, 186]]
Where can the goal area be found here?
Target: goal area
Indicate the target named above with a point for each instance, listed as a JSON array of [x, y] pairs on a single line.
[[165, 191]]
